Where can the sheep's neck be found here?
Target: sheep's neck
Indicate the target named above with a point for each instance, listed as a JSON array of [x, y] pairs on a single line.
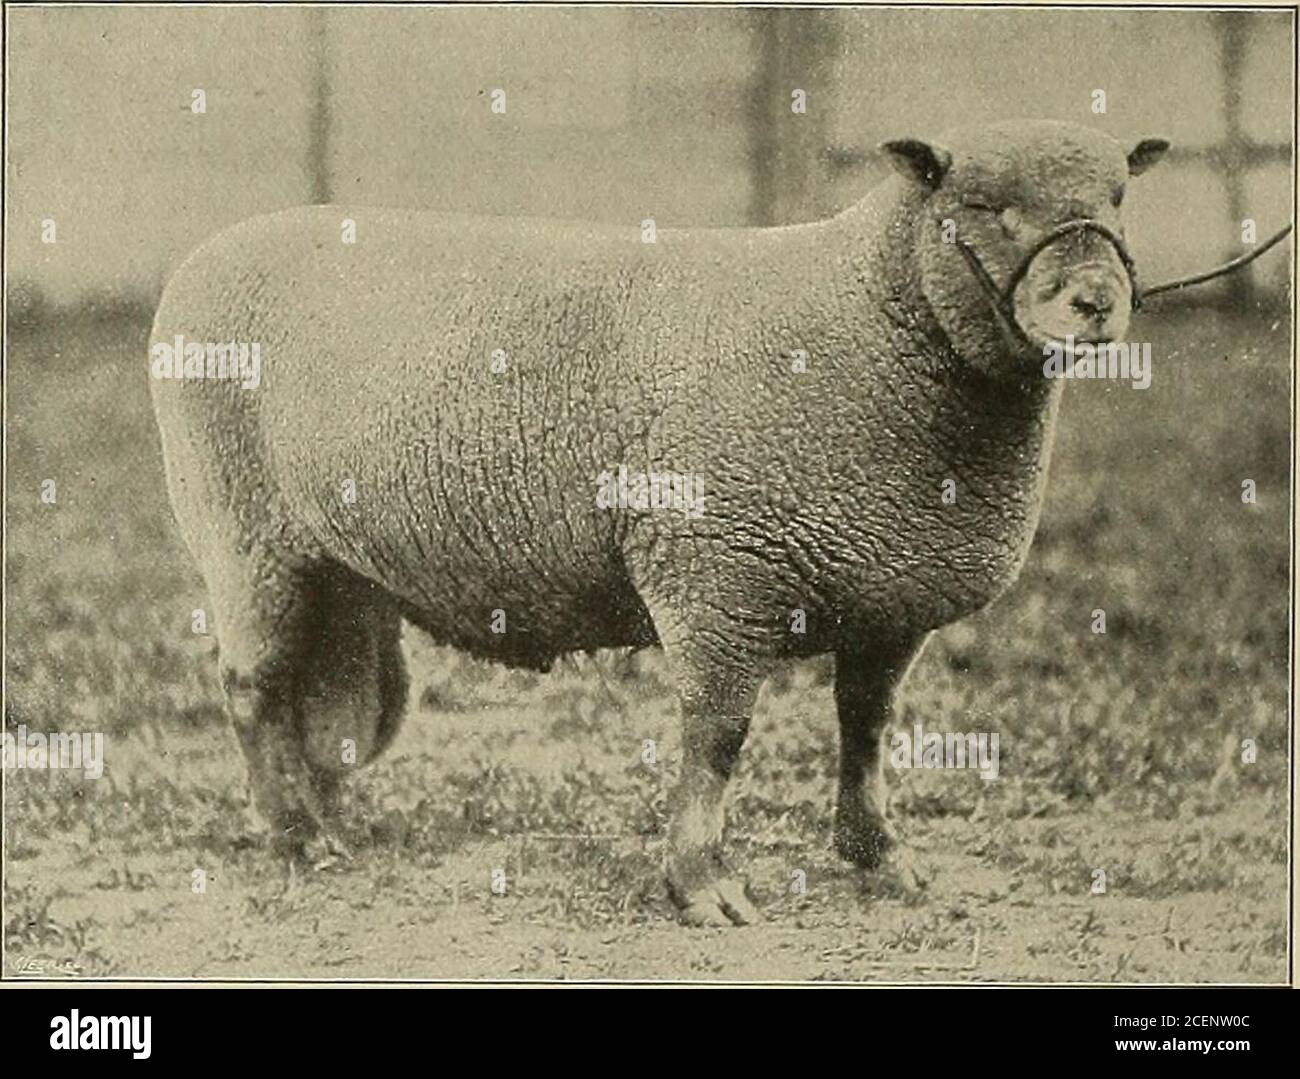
[[923, 422]]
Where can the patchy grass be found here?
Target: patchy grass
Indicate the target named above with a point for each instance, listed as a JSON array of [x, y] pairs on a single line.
[[1120, 753]]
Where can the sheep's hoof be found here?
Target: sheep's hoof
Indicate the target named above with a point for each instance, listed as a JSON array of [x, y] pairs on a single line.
[[862, 838], [866, 841], [724, 902], [307, 845]]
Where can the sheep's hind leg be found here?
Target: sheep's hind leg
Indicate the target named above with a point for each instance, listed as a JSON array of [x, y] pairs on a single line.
[[315, 685]]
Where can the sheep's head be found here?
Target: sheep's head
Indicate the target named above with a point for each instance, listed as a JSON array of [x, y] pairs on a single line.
[[1039, 205]]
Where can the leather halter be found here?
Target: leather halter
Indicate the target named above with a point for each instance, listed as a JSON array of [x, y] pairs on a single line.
[[1001, 300]]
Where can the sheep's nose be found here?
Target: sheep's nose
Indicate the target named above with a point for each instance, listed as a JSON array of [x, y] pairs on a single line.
[[1093, 305]]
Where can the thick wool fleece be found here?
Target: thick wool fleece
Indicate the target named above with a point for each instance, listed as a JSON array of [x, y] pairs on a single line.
[[812, 377]]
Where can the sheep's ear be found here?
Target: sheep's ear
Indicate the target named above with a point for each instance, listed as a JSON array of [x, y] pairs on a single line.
[[921, 161], [1145, 154]]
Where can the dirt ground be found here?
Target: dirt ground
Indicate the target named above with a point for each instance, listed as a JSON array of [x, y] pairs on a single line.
[[1010, 901], [1121, 753]]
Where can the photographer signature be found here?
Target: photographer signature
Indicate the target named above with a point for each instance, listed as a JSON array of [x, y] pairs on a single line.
[[44, 964]]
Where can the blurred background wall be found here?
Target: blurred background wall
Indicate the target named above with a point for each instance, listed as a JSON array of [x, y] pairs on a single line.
[[613, 114]]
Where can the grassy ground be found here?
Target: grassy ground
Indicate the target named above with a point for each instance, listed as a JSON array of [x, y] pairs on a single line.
[[1119, 752]]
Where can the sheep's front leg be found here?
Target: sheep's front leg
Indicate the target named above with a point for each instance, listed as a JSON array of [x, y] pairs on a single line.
[[716, 704], [865, 680]]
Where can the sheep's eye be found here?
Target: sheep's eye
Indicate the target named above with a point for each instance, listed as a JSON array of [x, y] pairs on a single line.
[[982, 206], [1117, 195]]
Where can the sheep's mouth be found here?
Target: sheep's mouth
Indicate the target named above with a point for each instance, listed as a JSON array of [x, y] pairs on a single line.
[[1082, 303], [1002, 300]]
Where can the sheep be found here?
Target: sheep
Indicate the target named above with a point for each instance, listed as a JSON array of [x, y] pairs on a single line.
[[456, 418]]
